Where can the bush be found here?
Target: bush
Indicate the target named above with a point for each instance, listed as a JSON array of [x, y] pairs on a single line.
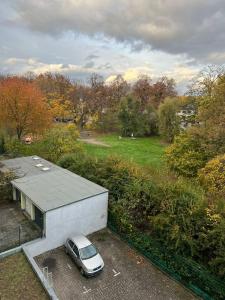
[[55, 143], [186, 155], [2, 144], [212, 177], [5, 186]]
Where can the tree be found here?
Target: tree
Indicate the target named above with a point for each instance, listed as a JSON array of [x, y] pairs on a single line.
[[211, 117], [60, 140], [168, 119], [118, 89], [23, 109], [203, 84], [142, 90], [161, 89], [136, 121]]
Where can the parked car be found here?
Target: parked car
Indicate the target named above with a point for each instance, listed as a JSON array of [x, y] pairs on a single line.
[[85, 255]]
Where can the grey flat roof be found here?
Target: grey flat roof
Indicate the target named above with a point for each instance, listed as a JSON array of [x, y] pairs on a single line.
[[53, 188], [26, 166]]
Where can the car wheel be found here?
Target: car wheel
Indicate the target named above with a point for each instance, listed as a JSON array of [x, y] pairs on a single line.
[[66, 251], [82, 272]]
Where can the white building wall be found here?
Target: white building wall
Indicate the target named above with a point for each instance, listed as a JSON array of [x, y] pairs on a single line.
[[83, 217]]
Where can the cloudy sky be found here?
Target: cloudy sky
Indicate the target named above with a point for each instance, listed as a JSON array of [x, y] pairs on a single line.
[[78, 37]]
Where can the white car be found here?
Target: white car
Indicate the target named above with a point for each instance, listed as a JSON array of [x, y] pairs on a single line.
[[85, 255]]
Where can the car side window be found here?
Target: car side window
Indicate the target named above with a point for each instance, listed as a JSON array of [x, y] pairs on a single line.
[[75, 249], [71, 244]]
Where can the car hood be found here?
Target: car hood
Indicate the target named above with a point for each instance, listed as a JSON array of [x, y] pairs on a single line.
[[93, 262]]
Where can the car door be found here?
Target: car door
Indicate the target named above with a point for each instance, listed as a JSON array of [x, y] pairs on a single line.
[[73, 251], [76, 254], [70, 248]]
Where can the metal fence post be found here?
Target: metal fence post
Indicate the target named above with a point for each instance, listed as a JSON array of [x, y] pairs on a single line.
[[20, 229]]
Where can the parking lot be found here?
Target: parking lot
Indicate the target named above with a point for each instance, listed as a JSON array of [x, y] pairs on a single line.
[[126, 275]]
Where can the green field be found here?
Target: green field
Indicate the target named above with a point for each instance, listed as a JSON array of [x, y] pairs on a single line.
[[143, 151]]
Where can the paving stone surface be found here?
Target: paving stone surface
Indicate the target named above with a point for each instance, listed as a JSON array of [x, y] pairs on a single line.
[[126, 276]]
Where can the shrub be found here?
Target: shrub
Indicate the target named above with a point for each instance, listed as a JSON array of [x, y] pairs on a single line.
[[186, 155], [212, 176], [2, 144], [5, 186], [55, 143]]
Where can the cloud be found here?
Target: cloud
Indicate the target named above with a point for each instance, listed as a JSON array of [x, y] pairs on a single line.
[[194, 27], [91, 57], [182, 73], [89, 64], [22, 65], [132, 74]]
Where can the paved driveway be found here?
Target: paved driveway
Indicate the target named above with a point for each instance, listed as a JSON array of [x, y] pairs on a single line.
[[127, 276]]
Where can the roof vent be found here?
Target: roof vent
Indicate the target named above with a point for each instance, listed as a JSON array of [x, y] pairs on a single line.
[[45, 169], [39, 165], [36, 157]]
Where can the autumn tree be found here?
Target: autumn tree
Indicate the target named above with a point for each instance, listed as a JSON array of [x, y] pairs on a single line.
[[168, 119], [23, 108], [206, 138], [161, 89], [117, 90], [142, 90], [203, 83]]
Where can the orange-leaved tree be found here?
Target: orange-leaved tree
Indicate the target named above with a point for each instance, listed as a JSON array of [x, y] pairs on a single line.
[[23, 109]]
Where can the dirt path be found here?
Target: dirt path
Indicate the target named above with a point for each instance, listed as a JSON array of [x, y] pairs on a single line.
[[93, 141]]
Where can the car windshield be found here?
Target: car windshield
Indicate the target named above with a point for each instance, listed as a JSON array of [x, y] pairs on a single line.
[[88, 252]]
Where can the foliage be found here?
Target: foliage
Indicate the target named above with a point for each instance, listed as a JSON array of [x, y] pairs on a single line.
[[5, 186], [59, 140], [168, 119], [136, 121], [186, 155], [206, 138], [193, 275], [212, 177], [108, 122], [153, 93], [23, 109], [2, 143]]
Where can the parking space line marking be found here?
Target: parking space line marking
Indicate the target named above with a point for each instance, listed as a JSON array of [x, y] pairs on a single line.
[[86, 290], [115, 273], [69, 266]]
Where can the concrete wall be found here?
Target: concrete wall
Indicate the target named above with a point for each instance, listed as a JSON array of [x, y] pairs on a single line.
[[86, 216]]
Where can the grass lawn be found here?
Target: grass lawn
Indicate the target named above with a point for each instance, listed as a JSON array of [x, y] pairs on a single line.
[[143, 151], [18, 281]]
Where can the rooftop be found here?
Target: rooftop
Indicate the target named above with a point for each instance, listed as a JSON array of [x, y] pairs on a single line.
[[50, 186]]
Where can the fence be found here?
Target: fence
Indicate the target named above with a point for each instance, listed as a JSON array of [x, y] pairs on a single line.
[[191, 274], [13, 235]]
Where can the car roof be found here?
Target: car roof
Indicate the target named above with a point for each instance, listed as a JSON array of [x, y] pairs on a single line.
[[81, 241]]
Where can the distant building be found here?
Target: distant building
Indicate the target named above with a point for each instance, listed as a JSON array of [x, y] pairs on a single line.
[[187, 116]]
